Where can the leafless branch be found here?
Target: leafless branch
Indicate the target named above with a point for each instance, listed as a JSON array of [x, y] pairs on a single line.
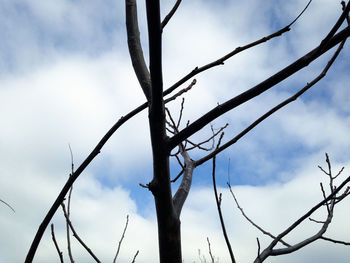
[[135, 48], [251, 221], [157, 76], [121, 239], [186, 182], [60, 254], [77, 236], [177, 176], [211, 138], [134, 259], [194, 81], [181, 111], [336, 26], [171, 13], [258, 242], [69, 247], [209, 249], [218, 205], [221, 60], [201, 257], [343, 7], [2, 201], [317, 221], [340, 171], [258, 89], [332, 199], [276, 108], [335, 241]]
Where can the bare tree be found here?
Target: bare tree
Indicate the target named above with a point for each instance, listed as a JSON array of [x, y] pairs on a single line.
[[167, 139]]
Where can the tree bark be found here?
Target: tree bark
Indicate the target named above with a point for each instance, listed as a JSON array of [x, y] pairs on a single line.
[[169, 237]]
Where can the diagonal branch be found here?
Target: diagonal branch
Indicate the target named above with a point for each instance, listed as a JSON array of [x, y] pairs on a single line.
[[121, 239], [275, 109], [77, 236], [2, 201], [251, 221], [221, 60], [171, 13], [258, 89], [270, 251], [135, 48], [82, 167], [60, 254]]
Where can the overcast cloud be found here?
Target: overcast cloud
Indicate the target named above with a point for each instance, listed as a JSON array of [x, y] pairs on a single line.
[[65, 78]]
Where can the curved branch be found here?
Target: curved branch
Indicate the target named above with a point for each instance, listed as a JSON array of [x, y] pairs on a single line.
[[135, 48], [2, 201]]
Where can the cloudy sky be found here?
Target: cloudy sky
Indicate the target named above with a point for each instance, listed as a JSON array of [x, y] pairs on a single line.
[[65, 78]]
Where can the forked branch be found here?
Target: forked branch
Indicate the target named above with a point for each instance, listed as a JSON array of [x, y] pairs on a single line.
[[331, 199]]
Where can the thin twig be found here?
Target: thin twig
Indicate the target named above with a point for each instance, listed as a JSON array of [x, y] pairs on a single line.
[[178, 176], [133, 260], [211, 255], [181, 111], [335, 241], [69, 247], [60, 254], [237, 50], [218, 205], [2, 201], [251, 221], [211, 138], [77, 236], [331, 198], [121, 239]]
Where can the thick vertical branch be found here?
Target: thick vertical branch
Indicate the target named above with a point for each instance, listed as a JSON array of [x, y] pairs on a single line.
[[168, 222]]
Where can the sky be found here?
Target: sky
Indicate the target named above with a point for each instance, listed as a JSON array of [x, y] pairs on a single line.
[[66, 78]]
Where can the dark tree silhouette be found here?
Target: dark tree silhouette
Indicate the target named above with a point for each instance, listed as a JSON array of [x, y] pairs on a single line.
[[168, 140]]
